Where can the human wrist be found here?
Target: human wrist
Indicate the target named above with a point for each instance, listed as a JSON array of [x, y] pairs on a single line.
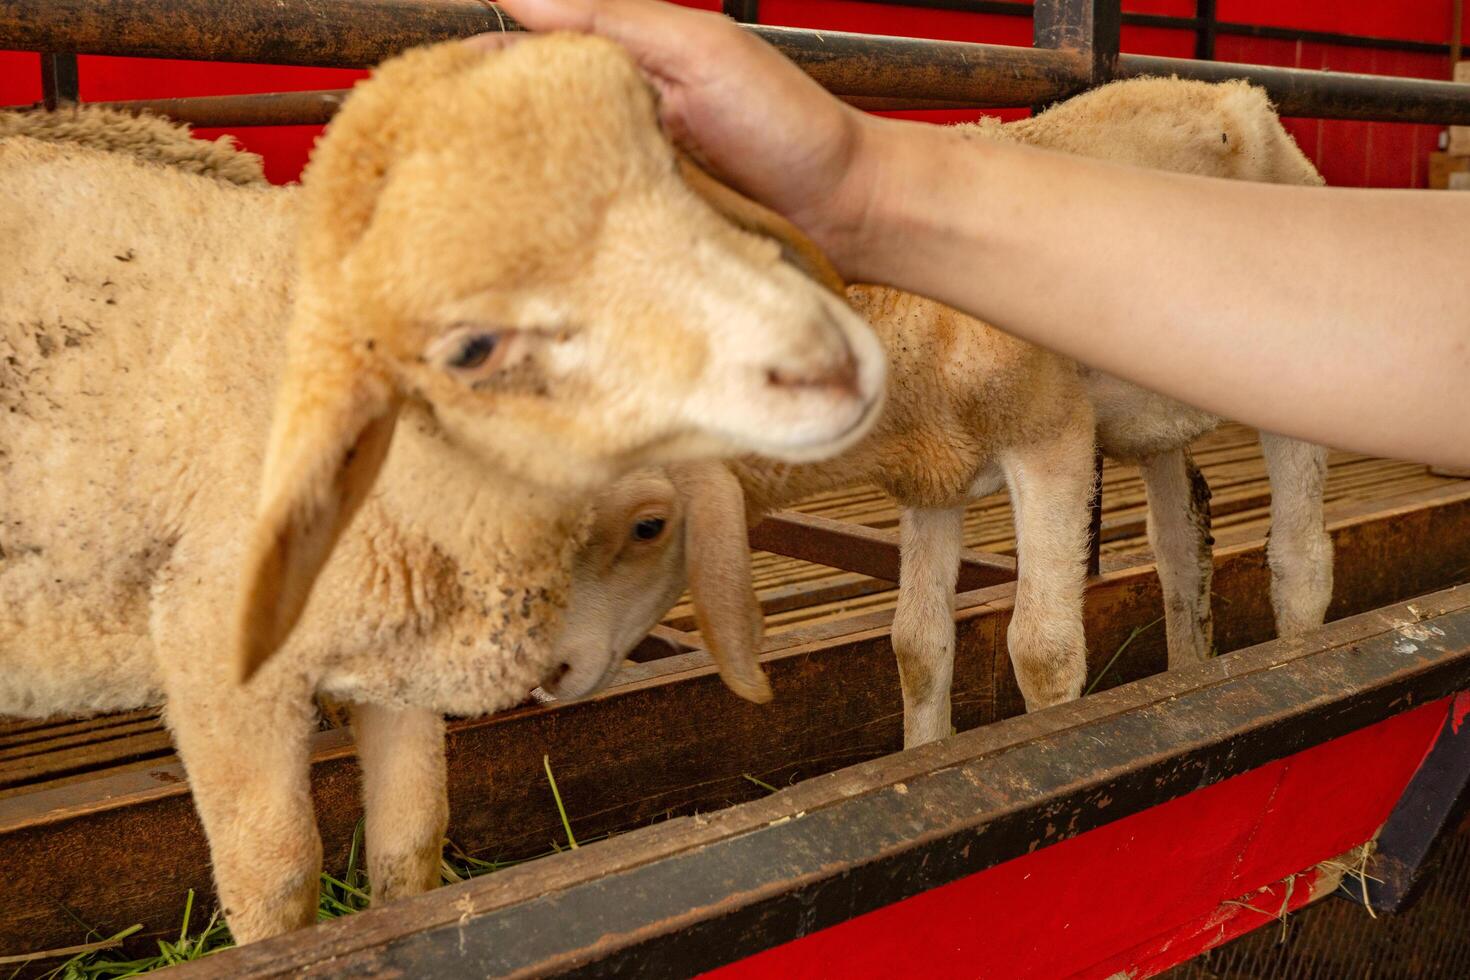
[[861, 210]]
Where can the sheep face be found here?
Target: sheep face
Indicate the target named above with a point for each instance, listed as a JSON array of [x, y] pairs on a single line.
[[626, 576], [507, 242], [526, 257]]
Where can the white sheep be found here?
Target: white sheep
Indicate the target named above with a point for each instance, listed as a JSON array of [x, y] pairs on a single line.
[[504, 295], [971, 409]]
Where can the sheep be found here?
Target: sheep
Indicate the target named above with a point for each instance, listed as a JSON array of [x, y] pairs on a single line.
[[143, 136], [506, 294], [970, 408]]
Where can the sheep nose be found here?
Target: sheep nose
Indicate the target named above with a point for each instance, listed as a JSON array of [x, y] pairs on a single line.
[[841, 378], [839, 374]]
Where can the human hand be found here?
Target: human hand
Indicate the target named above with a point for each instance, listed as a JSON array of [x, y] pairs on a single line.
[[740, 108]]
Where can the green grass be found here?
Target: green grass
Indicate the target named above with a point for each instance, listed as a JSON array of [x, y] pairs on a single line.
[[98, 958], [1137, 632]]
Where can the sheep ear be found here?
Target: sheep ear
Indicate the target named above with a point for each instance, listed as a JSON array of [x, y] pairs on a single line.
[[718, 554], [742, 212], [334, 421]]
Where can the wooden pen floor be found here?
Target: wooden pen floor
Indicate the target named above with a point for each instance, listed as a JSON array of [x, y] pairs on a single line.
[[43, 754]]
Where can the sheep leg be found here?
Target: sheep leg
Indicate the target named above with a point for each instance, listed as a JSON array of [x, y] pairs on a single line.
[[404, 795], [247, 755], [1051, 489], [1179, 533], [923, 624], [1299, 549]]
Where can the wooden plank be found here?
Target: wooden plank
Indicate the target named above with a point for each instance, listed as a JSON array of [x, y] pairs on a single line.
[[692, 894], [669, 739]]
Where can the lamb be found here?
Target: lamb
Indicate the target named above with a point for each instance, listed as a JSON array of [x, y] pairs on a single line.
[[970, 408], [505, 295]]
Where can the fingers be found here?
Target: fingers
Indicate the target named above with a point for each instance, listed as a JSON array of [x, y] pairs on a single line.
[[494, 41], [666, 39]]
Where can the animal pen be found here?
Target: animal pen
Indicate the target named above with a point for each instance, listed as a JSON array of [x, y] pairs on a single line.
[[1160, 816]]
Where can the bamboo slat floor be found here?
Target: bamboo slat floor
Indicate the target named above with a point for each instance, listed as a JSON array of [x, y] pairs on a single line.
[[37, 754]]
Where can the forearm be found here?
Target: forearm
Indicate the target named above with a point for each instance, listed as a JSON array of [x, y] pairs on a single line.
[[1338, 316]]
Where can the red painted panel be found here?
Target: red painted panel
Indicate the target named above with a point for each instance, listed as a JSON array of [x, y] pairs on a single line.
[[868, 18], [1415, 20], [1145, 890], [20, 77], [1157, 40], [1165, 8]]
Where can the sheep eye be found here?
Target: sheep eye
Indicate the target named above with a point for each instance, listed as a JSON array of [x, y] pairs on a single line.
[[648, 528], [474, 351]]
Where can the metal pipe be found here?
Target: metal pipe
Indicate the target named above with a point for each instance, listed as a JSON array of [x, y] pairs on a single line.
[[1011, 8], [59, 80], [316, 108], [1204, 40], [1324, 94], [358, 33], [362, 32], [229, 111]]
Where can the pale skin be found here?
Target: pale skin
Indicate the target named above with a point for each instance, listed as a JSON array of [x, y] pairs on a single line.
[[1339, 316]]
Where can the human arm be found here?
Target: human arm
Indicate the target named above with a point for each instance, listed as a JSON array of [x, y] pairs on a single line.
[[1339, 316]]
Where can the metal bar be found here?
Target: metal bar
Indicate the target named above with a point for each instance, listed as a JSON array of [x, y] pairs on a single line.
[[261, 109], [59, 82], [742, 11], [1087, 27], [362, 32], [1321, 94], [1431, 807], [1206, 28], [1005, 8], [316, 108], [690, 895], [358, 33]]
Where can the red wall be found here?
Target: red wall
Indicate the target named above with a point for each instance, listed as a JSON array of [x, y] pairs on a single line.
[[1348, 153]]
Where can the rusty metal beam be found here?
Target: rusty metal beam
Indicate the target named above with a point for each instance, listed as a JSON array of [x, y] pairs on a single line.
[[313, 108], [1088, 28], [60, 83], [1324, 94], [357, 33], [316, 107]]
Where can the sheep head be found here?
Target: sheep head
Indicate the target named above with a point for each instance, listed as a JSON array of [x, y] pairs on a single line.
[[509, 239]]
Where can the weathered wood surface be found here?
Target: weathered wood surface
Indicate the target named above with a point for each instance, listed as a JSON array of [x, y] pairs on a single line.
[[675, 899], [669, 739]]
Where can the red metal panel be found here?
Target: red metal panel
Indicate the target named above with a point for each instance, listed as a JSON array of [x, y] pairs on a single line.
[[1414, 20], [1144, 892], [20, 77], [1164, 8], [1157, 40], [868, 18]]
